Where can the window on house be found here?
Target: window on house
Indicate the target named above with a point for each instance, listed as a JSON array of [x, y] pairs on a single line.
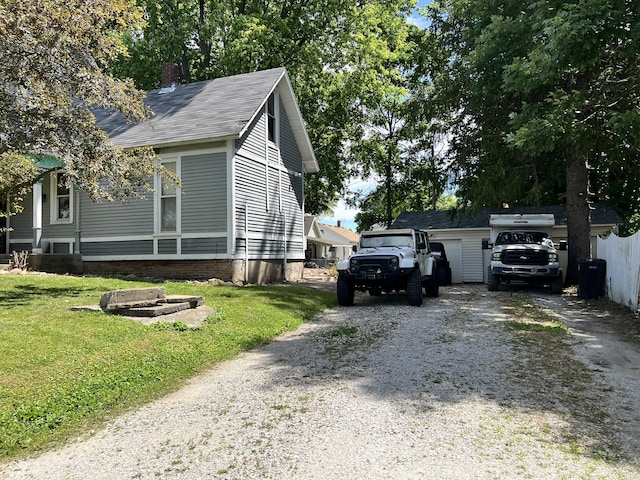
[[61, 199], [168, 201], [271, 117]]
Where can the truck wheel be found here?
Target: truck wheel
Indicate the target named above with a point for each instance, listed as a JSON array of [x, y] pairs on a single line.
[[346, 291], [557, 284], [492, 281], [432, 287], [414, 289]]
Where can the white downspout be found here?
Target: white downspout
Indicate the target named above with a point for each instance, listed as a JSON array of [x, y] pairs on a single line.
[[284, 236]]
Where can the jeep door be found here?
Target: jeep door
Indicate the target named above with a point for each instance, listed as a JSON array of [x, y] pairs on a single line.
[[424, 255]]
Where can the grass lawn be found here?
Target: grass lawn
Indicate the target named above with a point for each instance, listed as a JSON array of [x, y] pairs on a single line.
[[63, 373]]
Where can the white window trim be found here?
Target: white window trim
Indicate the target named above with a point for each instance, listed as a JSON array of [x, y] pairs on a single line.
[[157, 207], [53, 202], [276, 118]]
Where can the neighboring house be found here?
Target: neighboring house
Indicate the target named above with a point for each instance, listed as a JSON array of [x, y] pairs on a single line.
[[239, 145], [328, 243], [342, 241], [317, 248], [463, 236]]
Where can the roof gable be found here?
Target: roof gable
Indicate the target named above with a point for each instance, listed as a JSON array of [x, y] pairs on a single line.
[[210, 110], [339, 235]]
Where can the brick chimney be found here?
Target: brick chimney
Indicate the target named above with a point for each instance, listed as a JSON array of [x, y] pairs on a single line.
[[170, 75]]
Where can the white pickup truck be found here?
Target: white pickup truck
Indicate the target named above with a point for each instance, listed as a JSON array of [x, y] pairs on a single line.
[[524, 254]]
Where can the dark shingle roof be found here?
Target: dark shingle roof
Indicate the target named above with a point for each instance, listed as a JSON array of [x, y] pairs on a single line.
[[601, 214], [206, 111]]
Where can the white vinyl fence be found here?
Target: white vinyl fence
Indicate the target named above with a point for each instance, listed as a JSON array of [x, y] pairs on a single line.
[[623, 268]]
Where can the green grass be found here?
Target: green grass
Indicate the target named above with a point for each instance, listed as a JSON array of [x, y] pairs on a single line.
[[62, 373], [528, 317]]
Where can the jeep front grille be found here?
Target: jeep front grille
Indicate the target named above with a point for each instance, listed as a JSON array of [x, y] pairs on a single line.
[[373, 265], [525, 257]]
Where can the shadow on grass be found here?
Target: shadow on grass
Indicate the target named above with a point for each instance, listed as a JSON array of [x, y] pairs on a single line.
[[30, 293]]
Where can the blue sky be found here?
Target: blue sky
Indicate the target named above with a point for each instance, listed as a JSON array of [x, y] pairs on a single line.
[[341, 212]]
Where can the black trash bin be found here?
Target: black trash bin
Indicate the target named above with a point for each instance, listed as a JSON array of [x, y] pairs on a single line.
[[591, 277]]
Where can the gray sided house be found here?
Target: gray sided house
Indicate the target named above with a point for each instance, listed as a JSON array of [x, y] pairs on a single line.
[[240, 147], [463, 236]]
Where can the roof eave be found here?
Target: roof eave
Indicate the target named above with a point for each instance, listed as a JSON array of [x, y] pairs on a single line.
[[181, 143]]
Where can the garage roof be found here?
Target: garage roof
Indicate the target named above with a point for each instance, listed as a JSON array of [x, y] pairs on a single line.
[[602, 214]]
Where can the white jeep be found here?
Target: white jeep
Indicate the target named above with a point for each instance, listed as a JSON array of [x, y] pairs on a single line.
[[386, 261]]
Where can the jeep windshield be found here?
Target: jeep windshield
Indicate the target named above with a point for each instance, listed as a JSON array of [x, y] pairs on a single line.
[[386, 241], [509, 238]]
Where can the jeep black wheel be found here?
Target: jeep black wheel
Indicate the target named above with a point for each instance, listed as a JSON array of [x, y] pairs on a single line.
[[492, 281], [346, 291], [557, 284], [432, 287], [414, 289]]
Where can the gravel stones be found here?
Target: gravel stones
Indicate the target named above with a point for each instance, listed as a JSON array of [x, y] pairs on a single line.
[[379, 390]]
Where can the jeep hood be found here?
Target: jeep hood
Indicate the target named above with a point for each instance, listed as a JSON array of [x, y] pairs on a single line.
[[401, 251]]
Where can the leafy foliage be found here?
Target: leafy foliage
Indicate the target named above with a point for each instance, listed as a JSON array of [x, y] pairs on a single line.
[[53, 72], [544, 102], [339, 54]]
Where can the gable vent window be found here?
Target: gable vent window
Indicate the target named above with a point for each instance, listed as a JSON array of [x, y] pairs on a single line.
[[61, 210], [271, 117]]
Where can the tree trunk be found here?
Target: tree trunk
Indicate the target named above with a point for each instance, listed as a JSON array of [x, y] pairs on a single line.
[[389, 188], [578, 211]]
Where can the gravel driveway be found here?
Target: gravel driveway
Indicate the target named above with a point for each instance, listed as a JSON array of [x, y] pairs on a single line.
[[382, 390]]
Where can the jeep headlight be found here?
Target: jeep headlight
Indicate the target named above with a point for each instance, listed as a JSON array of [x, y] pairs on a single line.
[[496, 256], [553, 257], [394, 263], [353, 265]]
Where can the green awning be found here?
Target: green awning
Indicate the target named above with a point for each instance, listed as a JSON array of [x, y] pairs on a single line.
[[47, 162]]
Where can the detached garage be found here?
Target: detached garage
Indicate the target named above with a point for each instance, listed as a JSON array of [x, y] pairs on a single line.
[[463, 236]]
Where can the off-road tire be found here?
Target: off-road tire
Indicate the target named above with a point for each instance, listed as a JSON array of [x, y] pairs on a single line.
[[414, 288], [432, 287], [346, 290], [492, 281], [557, 284], [444, 275]]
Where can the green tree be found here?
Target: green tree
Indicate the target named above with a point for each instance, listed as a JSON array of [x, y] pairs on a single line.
[[54, 57], [399, 140], [337, 53], [544, 95]]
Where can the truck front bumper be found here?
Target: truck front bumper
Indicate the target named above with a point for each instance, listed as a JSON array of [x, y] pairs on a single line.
[[525, 270]]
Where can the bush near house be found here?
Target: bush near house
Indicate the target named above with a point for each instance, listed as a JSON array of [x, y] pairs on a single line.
[[63, 371]]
